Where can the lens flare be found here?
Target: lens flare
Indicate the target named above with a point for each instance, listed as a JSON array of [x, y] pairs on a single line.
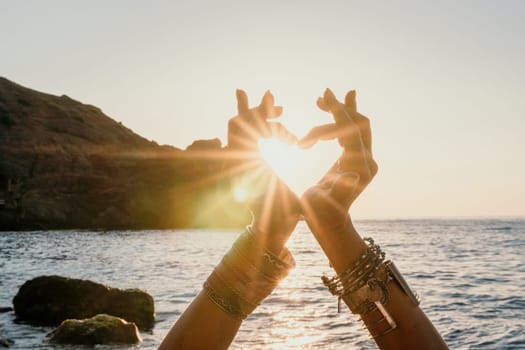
[[240, 194]]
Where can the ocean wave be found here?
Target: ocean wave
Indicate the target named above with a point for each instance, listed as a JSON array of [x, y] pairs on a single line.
[[470, 274]]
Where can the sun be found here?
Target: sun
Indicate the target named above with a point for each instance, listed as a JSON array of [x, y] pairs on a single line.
[[280, 156], [283, 158], [240, 194], [298, 168]]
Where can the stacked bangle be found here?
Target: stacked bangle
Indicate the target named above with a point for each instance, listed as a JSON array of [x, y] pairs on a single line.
[[247, 274], [364, 287], [363, 282]]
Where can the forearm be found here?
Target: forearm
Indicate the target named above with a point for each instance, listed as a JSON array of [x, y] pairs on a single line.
[[247, 273], [412, 330], [203, 325]]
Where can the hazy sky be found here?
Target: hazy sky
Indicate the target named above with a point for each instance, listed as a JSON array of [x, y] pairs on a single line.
[[443, 82]]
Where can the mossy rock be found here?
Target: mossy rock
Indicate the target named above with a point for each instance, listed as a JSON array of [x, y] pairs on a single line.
[[100, 329]]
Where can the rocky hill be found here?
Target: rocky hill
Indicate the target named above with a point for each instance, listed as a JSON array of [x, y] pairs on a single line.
[[65, 164]]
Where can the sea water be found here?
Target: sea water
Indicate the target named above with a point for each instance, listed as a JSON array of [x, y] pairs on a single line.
[[469, 273]]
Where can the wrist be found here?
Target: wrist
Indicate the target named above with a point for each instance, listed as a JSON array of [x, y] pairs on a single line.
[[247, 274], [272, 238], [339, 240], [367, 285]]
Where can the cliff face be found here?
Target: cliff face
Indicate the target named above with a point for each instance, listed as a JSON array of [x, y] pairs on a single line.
[[64, 164]]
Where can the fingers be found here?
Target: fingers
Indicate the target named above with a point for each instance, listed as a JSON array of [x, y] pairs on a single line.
[[362, 122], [267, 108], [329, 103], [350, 102], [348, 119], [252, 123], [322, 105], [337, 109], [272, 112], [267, 100], [351, 128], [322, 132], [347, 132], [280, 132], [242, 101]]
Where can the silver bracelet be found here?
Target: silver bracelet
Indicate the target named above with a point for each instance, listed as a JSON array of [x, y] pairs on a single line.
[[364, 285]]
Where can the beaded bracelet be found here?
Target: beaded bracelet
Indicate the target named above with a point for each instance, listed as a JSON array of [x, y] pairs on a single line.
[[246, 275], [364, 285], [355, 276]]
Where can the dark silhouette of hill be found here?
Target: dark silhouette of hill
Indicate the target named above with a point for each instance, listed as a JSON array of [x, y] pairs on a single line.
[[65, 164]]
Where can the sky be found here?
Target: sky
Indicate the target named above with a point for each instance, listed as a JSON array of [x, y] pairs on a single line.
[[442, 82]]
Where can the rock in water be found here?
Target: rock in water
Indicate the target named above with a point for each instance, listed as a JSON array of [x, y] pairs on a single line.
[[4, 342], [100, 329], [49, 300]]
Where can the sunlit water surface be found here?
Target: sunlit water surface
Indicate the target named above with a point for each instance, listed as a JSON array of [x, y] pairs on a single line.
[[470, 274]]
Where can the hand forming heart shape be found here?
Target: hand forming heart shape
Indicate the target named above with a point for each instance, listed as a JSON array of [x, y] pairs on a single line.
[[350, 128], [298, 168]]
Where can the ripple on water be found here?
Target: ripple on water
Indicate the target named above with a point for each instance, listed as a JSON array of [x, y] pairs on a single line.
[[470, 274]]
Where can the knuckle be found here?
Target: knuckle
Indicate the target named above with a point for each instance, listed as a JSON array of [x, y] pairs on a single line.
[[373, 168], [363, 119], [233, 121]]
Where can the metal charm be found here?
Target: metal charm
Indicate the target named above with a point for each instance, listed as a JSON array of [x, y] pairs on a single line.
[[391, 267]]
